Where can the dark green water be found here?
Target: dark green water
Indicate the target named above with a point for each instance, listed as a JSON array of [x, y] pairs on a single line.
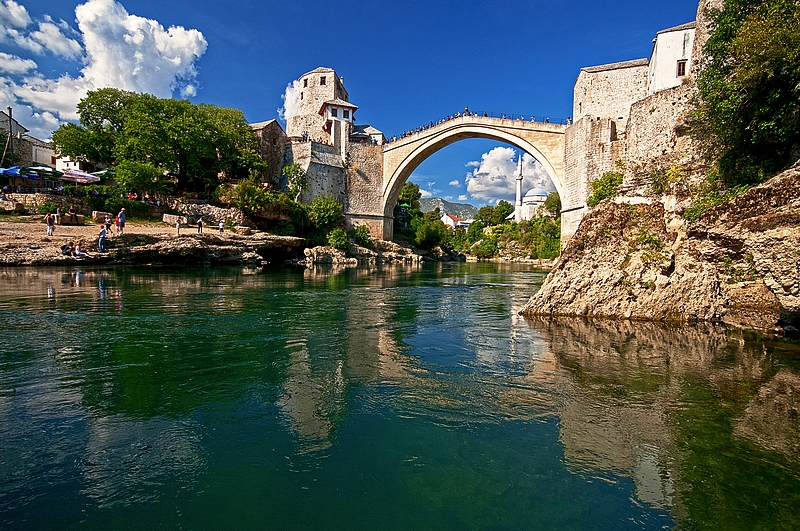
[[377, 399]]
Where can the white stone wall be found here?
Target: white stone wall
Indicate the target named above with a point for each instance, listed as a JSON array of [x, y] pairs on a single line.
[[312, 95], [324, 169], [670, 48], [609, 91]]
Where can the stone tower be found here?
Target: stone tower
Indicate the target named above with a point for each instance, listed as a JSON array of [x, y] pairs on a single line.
[[316, 88]]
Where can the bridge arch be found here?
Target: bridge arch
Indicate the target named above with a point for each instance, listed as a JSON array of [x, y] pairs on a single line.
[[545, 142]]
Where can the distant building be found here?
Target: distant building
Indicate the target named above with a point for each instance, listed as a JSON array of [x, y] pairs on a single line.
[[454, 221], [26, 149], [367, 134]]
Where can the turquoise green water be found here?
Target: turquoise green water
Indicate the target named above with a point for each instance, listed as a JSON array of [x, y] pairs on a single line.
[[397, 398]]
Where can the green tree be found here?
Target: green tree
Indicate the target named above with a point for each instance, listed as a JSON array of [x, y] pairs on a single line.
[[194, 144], [410, 195], [429, 234], [553, 204], [141, 177], [296, 179], [101, 121], [747, 115], [494, 215], [326, 213]]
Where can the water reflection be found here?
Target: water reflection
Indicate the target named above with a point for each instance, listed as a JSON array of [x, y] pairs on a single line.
[[134, 384], [673, 408]]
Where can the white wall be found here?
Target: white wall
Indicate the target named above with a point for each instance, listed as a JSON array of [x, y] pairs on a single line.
[[670, 47]]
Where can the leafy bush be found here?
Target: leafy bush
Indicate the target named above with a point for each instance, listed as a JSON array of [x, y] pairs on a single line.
[[360, 235], [44, 208], [747, 109], [337, 238], [486, 248], [605, 187], [295, 179], [325, 213]]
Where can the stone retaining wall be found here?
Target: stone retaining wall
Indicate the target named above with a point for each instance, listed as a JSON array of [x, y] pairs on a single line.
[[211, 215], [34, 201]]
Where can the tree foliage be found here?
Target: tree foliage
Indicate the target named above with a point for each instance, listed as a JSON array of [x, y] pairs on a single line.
[[494, 215], [326, 213], [193, 144], [295, 179], [141, 176], [748, 109], [605, 187], [410, 195], [553, 204]]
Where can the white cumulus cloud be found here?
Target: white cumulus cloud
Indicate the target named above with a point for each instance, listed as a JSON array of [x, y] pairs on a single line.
[[51, 38], [455, 183], [462, 197], [494, 176], [13, 14], [291, 100], [116, 49], [15, 65]]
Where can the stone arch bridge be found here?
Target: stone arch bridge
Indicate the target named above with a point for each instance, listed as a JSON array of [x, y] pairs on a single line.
[[544, 141]]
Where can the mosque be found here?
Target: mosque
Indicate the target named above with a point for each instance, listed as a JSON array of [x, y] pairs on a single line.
[[528, 206]]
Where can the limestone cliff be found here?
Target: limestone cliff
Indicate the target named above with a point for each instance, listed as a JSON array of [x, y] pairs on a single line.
[[738, 263]]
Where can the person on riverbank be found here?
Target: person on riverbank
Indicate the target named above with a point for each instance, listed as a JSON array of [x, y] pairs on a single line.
[[107, 223], [221, 227], [101, 240], [200, 226], [50, 221], [121, 221], [178, 226], [80, 252], [73, 217]]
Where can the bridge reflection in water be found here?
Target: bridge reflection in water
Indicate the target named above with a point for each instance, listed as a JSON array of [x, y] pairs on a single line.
[[150, 380]]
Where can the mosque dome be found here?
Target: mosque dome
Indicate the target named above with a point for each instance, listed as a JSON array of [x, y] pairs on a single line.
[[536, 193]]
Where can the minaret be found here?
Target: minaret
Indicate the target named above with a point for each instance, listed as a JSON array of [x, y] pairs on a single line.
[[518, 206]]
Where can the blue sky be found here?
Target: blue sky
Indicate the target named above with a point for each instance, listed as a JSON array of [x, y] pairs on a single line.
[[404, 63]]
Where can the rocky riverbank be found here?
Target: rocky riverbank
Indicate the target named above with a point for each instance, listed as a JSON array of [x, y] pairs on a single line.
[[739, 263], [24, 243]]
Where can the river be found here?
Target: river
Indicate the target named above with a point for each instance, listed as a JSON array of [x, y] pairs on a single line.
[[389, 398]]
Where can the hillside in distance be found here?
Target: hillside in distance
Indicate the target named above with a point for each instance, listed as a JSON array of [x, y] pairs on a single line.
[[461, 210]]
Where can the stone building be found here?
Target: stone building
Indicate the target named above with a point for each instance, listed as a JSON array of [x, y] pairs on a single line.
[[631, 117], [271, 146], [25, 149], [317, 88]]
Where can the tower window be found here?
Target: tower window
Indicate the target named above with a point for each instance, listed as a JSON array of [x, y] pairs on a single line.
[[301, 95], [322, 80], [305, 83], [334, 113], [682, 68], [346, 114]]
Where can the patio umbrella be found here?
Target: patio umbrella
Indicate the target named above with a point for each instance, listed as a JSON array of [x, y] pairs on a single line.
[[78, 176], [105, 173], [45, 171]]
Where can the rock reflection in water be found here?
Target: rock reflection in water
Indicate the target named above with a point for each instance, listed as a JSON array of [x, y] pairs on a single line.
[[629, 403]]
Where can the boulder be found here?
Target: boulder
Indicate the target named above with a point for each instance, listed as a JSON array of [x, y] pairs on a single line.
[[66, 219], [12, 206]]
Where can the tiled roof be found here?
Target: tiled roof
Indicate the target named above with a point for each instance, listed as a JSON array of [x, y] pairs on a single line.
[[262, 125], [688, 25], [616, 66]]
